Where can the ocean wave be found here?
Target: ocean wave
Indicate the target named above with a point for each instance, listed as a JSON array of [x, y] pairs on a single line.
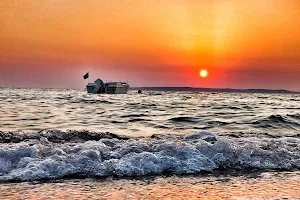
[[134, 115], [177, 112], [53, 155], [184, 119], [226, 107], [219, 123], [277, 121], [136, 120], [89, 101], [295, 116], [57, 136]]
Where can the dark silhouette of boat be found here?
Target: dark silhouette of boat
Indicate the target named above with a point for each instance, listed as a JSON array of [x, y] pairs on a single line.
[[100, 87]]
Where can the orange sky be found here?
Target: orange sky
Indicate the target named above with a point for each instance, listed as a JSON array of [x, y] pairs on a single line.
[[243, 44]]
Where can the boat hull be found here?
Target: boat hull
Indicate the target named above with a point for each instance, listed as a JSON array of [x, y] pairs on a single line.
[[117, 90]]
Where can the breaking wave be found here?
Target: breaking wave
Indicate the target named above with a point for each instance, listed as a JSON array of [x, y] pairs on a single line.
[[278, 121], [56, 154], [295, 116]]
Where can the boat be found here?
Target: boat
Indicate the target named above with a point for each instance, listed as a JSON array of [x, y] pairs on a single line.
[[100, 87]]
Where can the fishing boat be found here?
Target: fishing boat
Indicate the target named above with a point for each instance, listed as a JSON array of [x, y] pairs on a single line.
[[100, 87]]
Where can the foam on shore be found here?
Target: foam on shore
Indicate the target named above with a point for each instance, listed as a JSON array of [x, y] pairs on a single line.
[[112, 155]]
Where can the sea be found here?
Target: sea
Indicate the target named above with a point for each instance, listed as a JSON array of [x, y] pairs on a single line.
[[66, 136]]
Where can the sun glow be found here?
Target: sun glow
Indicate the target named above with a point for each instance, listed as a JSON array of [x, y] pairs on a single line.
[[203, 73]]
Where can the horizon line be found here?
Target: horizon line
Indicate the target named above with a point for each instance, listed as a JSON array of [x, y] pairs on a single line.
[[249, 90]]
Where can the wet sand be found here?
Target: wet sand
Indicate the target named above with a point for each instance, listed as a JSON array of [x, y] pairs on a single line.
[[268, 185]]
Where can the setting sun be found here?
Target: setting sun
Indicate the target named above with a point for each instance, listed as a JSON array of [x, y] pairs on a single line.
[[203, 73]]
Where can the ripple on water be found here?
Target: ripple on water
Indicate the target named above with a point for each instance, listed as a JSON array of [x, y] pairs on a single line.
[[222, 112]]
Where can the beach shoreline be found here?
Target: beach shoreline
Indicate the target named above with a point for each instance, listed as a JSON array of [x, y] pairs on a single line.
[[267, 185]]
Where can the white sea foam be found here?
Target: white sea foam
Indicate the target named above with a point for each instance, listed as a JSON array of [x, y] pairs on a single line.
[[194, 153]]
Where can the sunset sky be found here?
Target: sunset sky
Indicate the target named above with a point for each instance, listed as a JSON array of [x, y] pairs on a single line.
[[241, 43]]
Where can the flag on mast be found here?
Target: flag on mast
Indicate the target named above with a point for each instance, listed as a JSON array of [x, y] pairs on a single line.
[[86, 76]]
